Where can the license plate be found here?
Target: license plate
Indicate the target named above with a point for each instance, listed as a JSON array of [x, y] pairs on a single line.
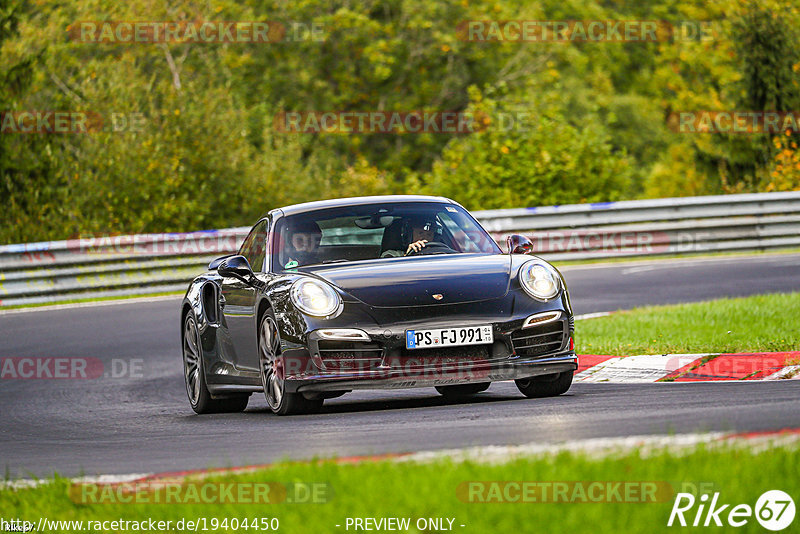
[[449, 337]]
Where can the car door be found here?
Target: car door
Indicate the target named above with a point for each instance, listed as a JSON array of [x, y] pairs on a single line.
[[240, 300]]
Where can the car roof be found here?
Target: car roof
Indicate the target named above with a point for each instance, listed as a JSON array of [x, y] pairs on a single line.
[[357, 201]]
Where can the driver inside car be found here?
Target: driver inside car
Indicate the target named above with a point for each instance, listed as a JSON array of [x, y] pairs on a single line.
[[417, 232], [422, 233], [303, 244]]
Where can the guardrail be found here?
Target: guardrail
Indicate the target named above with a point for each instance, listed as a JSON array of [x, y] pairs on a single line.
[[153, 263], [750, 222]]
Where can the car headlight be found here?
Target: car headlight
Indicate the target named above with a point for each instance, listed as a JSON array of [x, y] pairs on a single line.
[[315, 298], [540, 280]]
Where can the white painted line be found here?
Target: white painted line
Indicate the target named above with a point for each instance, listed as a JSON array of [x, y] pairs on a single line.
[[636, 369], [499, 454], [791, 371], [586, 374], [671, 262], [595, 315], [640, 269], [644, 444], [25, 483]]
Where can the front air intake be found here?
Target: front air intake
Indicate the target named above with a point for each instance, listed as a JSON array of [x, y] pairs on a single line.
[[540, 339]]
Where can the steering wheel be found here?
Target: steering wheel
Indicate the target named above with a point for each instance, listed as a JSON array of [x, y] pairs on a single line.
[[432, 247]]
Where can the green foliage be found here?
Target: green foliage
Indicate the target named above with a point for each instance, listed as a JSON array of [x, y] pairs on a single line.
[[766, 45], [750, 64], [531, 160], [31, 191], [207, 153]]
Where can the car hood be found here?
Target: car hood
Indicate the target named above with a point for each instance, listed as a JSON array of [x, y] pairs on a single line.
[[413, 281]]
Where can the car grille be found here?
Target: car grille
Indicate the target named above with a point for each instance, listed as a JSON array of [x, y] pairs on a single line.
[[442, 356], [467, 351], [539, 340], [350, 355]]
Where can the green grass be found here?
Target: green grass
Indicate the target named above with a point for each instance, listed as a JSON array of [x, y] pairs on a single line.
[[763, 323], [391, 489], [92, 299]]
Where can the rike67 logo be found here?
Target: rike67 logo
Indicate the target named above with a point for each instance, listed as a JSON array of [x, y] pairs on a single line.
[[774, 510]]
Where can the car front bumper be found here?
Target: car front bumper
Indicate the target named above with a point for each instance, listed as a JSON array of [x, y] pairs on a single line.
[[381, 360], [431, 376]]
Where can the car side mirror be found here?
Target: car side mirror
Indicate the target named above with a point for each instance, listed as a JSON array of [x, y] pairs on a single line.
[[214, 265], [236, 267], [519, 244]]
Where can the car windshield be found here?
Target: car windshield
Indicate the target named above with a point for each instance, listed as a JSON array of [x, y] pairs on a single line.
[[373, 231]]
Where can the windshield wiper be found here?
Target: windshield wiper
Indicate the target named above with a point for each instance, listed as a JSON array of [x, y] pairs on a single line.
[[334, 261]]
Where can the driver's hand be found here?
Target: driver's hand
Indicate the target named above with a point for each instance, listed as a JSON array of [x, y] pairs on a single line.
[[416, 246]]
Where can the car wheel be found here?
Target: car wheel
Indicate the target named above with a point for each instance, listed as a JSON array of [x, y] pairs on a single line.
[[195, 377], [272, 377], [462, 390], [545, 385]]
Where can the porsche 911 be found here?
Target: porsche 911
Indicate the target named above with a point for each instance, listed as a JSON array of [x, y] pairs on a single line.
[[394, 292]]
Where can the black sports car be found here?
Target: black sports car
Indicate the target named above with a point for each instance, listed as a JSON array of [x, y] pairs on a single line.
[[374, 292]]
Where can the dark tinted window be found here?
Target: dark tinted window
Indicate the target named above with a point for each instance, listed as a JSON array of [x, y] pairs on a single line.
[[254, 246], [374, 231]]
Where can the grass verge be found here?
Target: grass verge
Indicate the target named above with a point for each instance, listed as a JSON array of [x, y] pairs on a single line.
[[91, 300], [763, 323], [441, 489]]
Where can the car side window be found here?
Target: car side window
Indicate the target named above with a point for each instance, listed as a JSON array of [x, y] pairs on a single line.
[[465, 240], [254, 246]]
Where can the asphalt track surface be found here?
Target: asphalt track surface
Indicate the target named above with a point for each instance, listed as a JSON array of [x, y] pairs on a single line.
[[143, 423]]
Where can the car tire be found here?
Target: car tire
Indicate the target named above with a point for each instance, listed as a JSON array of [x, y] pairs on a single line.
[[195, 377], [545, 385], [462, 390], [270, 368]]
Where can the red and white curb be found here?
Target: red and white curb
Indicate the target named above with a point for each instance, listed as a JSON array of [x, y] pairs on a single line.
[[689, 367], [596, 447]]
